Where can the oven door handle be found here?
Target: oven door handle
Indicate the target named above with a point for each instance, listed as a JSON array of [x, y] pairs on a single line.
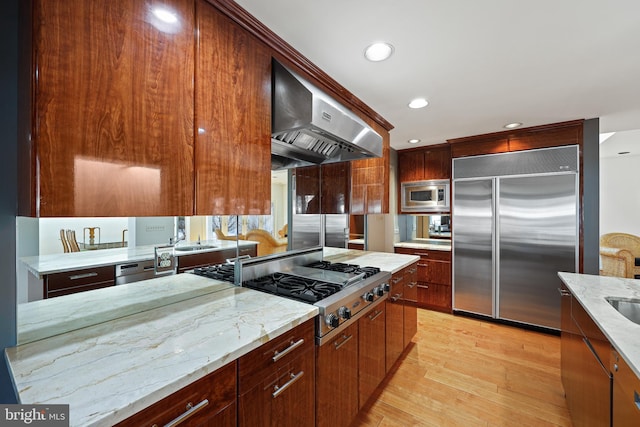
[[277, 355], [345, 340]]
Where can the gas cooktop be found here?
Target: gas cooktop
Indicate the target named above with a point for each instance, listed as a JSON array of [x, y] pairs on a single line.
[[292, 286]]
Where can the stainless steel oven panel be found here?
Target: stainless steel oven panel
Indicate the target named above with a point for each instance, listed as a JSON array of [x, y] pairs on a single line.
[[435, 202], [253, 268], [336, 331]]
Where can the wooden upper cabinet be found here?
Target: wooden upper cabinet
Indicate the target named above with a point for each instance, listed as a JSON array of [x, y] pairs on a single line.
[[233, 118], [335, 184], [544, 136], [112, 119], [411, 165], [437, 163], [370, 179]]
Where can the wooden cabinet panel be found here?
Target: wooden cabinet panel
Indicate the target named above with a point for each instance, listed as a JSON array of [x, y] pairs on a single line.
[[113, 114], [481, 146], [276, 382], [410, 309], [337, 379], [370, 180], [544, 138], [218, 388], [435, 297], [233, 116], [434, 272], [335, 184], [626, 393], [71, 282], [394, 329], [371, 350], [437, 163], [307, 190], [411, 165]]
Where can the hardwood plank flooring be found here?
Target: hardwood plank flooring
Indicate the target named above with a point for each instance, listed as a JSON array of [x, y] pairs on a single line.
[[467, 372]]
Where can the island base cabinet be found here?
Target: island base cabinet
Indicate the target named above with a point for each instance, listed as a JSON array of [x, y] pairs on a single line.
[[337, 380], [283, 399], [211, 401], [371, 350], [626, 393], [276, 381]]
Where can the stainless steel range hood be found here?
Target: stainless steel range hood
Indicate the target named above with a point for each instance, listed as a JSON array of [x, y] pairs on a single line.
[[308, 127]]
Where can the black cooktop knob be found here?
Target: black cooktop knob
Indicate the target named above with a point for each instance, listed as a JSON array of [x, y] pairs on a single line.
[[386, 287], [332, 320], [368, 296], [345, 313], [378, 290]]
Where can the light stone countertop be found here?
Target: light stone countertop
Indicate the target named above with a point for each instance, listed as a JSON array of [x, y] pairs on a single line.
[[56, 263], [110, 371], [591, 291], [385, 261], [53, 316], [427, 244]]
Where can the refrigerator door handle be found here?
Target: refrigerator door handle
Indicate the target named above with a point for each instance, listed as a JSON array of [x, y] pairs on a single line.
[[495, 249]]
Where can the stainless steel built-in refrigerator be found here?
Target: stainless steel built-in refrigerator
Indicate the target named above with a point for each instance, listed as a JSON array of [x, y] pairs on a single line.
[[515, 225]]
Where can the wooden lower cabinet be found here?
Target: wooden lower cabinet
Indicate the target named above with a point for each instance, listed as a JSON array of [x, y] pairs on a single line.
[[433, 277], [435, 296], [71, 282], [410, 306], [217, 389], [626, 393], [371, 352], [337, 379], [586, 378], [276, 381], [394, 330]]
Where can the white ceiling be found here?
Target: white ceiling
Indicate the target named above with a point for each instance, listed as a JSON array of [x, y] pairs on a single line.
[[481, 64]]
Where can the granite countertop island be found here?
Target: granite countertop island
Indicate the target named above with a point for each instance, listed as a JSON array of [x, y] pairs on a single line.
[[591, 291], [56, 263], [385, 261], [110, 371]]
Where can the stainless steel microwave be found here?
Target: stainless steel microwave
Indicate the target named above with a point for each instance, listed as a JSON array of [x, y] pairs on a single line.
[[425, 196]]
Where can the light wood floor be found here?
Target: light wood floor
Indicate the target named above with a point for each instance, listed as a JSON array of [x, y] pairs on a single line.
[[466, 372]]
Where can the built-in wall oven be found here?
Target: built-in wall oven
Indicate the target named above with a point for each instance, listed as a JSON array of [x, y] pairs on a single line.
[[425, 196]]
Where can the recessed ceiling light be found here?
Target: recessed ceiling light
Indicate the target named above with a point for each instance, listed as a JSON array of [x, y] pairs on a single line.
[[605, 136], [413, 141], [418, 103], [512, 125], [378, 51]]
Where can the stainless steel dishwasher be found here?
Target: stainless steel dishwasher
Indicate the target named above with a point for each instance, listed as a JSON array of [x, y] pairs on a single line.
[[134, 272]]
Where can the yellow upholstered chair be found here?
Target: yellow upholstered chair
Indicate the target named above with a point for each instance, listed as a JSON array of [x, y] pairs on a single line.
[[63, 239], [283, 232], [619, 252], [71, 240], [267, 244]]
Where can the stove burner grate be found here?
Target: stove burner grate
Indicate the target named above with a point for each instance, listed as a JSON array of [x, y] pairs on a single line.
[[220, 272], [345, 268], [300, 288]]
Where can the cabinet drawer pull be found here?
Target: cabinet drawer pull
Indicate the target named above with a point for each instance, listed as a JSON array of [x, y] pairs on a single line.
[[191, 411], [412, 284], [294, 378], [397, 279], [83, 276], [375, 315], [413, 270], [423, 265], [396, 297], [636, 399], [277, 355], [344, 341], [564, 292], [421, 254]]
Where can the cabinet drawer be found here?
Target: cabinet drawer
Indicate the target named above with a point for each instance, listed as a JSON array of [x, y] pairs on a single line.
[[269, 357], [434, 296], [425, 254], [626, 393], [79, 278], [218, 389], [434, 272]]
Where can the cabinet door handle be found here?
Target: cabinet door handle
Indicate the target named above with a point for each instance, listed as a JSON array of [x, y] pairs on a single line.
[[396, 297], [636, 399], [413, 270], [564, 292], [412, 284], [345, 340], [423, 265], [397, 279], [277, 355], [191, 411], [421, 254], [277, 390], [375, 315], [83, 276]]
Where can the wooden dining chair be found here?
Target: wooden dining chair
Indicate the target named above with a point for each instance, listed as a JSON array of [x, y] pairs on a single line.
[[71, 239], [63, 239]]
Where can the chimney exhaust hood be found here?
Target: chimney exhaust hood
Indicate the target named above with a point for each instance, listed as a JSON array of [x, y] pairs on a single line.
[[308, 127]]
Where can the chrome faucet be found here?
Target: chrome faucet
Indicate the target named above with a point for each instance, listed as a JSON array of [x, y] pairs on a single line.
[[174, 240]]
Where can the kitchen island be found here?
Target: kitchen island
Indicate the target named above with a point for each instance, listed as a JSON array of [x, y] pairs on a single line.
[[110, 371]]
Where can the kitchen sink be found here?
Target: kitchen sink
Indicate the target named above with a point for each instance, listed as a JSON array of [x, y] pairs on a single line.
[[629, 308], [191, 248]]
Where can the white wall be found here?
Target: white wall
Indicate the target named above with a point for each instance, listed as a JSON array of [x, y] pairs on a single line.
[[620, 194], [280, 203]]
